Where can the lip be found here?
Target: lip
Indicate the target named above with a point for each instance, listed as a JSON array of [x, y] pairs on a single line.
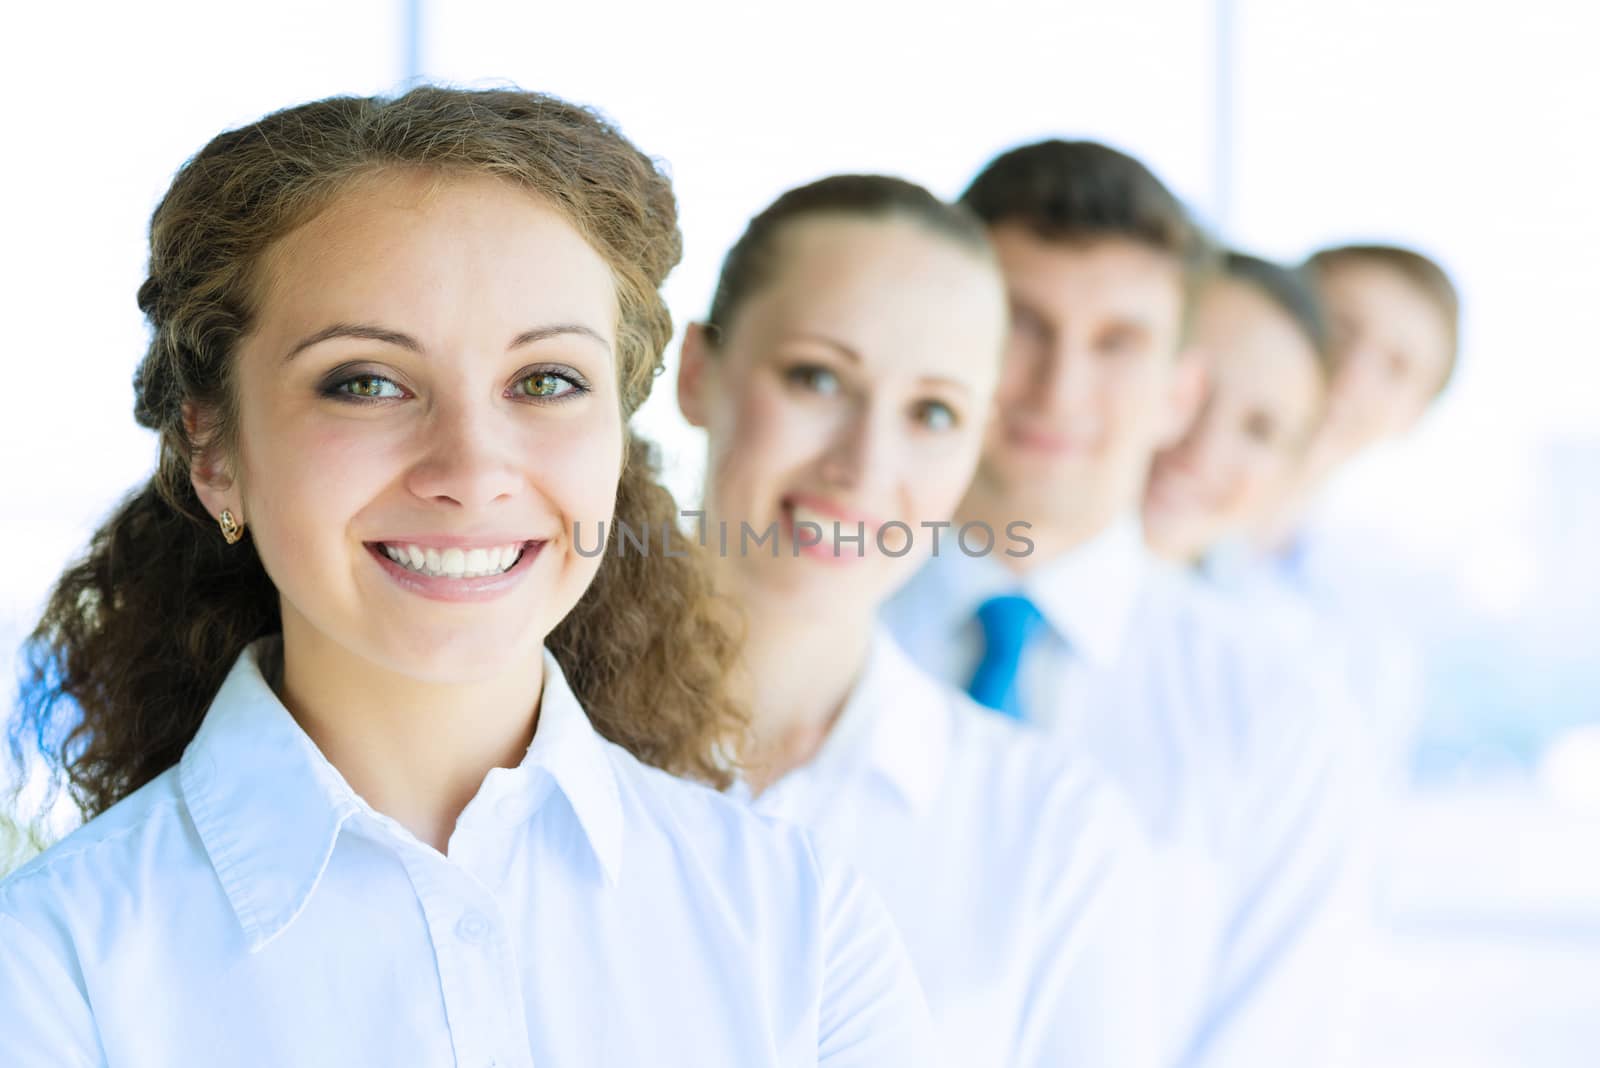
[[1042, 441], [832, 510], [456, 541], [823, 551], [482, 588]]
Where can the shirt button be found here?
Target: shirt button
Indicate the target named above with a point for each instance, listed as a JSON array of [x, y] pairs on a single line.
[[472, 928]]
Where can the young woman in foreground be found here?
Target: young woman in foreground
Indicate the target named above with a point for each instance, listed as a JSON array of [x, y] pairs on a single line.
[[844, 376], [364, 737]]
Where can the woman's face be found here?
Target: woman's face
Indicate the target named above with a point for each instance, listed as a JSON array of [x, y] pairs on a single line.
[[427, 404], [1264, 398], [852, 388], [1391, 354]]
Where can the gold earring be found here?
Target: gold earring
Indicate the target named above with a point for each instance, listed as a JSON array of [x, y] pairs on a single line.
[[232, 529]]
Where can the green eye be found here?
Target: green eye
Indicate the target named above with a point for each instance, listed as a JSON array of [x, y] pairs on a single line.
[[369, 387], [935, 415], [544, 384]]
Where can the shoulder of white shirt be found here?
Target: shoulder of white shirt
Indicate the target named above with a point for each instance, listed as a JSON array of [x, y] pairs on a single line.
[[150, 831], [1007, 758]]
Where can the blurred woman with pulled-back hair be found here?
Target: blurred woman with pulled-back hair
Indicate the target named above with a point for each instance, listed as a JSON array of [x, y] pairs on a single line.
[[844, 376], [382, 768]]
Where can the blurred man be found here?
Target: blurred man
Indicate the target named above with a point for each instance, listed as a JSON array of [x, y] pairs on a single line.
[[1230, 756]]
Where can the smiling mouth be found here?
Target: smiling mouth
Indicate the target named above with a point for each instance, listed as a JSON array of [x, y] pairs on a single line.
[[1042, 440], [454, 562]]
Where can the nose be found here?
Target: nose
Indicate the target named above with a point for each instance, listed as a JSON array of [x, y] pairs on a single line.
[[860, 450], [1204, 452], [468, 456], [1064, 382], [1360, 372]]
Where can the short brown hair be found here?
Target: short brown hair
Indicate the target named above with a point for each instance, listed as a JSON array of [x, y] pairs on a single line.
[[752, 260], [139, 633], [1072, 191], [1425, 275]]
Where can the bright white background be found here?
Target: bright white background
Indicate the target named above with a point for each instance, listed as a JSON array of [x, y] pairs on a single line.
[[1470, 130]]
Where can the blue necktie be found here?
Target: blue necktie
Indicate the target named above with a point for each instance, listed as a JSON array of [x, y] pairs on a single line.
[[1008, 622]]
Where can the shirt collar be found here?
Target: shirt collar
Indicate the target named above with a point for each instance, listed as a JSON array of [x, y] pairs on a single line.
[[1089, 595], [268, 807], [568, 748], [890, 726], [1231, 563]]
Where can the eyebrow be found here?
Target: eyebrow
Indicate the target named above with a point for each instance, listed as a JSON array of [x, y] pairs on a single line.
[[368, 332], [949, 383], [528, 337], [838, 346]]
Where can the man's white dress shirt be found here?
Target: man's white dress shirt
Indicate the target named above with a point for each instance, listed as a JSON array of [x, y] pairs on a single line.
[[1231, 752], [1018, 876], [246, 907]]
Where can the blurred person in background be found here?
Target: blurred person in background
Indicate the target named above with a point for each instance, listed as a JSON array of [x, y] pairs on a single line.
[[382, 767], [1261, 334], [1394, 323], [844, 376], [1232, 759], [1259, 328], [1261, 331], [1393, 319]]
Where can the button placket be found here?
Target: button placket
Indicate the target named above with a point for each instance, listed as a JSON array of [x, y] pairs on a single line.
[[484, 1012]]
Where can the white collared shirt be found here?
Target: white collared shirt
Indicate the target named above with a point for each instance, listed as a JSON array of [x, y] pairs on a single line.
[[1231, 756], [248, 908], [1357, 612], [1019, 877]]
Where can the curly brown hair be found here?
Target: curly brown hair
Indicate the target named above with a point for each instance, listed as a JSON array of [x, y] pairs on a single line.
[[138, 635]]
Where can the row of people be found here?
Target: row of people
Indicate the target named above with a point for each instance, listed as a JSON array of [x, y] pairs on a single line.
[[389, 761]]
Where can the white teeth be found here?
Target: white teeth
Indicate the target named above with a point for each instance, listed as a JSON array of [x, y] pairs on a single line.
[[453, 562], [825, 523], [806, 515]]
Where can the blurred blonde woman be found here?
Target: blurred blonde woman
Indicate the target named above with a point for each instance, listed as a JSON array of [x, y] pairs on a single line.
[[844, 377]]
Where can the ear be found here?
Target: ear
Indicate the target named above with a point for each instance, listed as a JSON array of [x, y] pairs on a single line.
[[693, 369], [1186, 390], [208, 469]]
